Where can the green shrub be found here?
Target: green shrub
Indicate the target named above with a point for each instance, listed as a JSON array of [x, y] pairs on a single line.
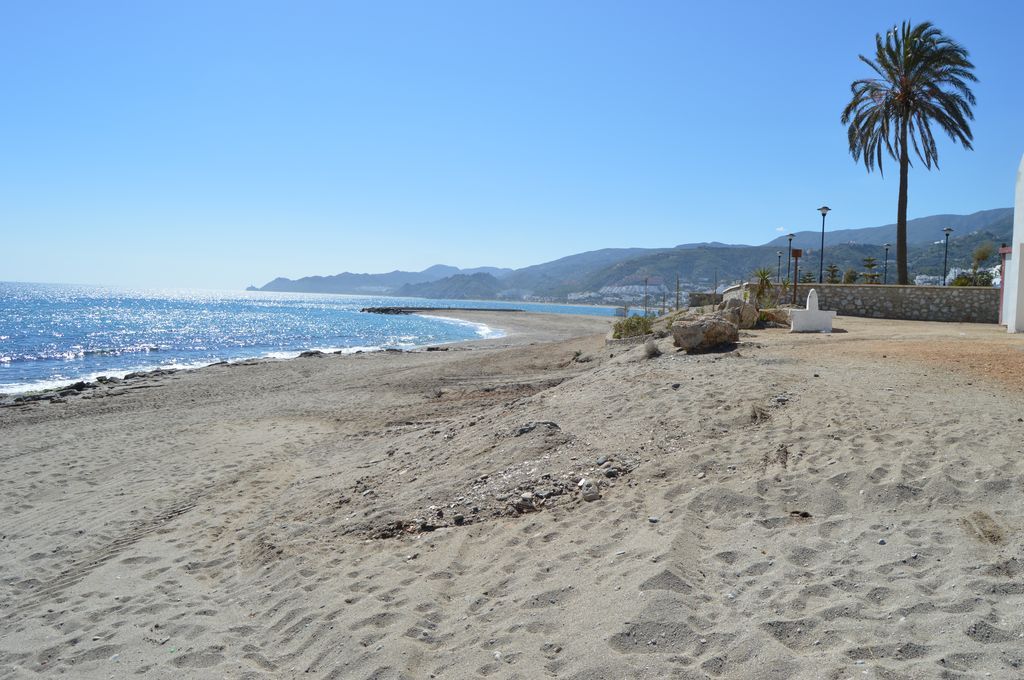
[[981, 278], [632, 326]]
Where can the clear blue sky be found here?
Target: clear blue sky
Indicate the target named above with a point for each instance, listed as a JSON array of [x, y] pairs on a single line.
[[217, 144]]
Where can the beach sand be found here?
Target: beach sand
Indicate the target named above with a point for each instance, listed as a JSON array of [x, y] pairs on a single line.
[[807, 506]]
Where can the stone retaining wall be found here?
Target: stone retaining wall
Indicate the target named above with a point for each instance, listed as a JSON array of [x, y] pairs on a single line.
[[704, 299], [921, 303]]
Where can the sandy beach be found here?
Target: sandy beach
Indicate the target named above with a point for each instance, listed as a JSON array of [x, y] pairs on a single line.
[[806, 506]]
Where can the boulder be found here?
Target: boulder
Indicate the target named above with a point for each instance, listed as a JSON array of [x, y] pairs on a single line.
[[778, 315], [739, 313], [748, 316], [705, 333]]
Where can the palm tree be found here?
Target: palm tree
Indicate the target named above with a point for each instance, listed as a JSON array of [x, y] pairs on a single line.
[[922, 78]]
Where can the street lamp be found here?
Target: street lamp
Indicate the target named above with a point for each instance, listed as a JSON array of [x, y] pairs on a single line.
[[797, 254], [778, 274], [790, 256], [945, 255], [885, 267], [821, 258]]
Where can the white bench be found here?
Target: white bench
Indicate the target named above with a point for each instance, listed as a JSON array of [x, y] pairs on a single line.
[[811, 319]]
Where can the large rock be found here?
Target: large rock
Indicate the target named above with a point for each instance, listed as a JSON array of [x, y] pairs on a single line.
[[776, 315], [742, 314], [705, 333], [748, 316]]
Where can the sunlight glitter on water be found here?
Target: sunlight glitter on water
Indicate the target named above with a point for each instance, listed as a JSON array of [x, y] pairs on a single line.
[[56, 334]]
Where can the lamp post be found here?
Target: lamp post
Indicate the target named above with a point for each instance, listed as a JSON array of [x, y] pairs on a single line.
[[885, 267], [821, 253], [797, 253], [778, 274], [789, 257], [945, 255]]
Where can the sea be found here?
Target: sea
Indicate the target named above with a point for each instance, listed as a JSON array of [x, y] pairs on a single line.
[[54, 334]]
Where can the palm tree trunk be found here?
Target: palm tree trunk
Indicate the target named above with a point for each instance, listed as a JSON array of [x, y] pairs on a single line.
[[901, 208]]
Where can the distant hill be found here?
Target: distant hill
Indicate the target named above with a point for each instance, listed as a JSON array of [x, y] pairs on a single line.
[[919, 231], [711, 244], [479, 286], [602, 275], [567, 274], [370, 284]]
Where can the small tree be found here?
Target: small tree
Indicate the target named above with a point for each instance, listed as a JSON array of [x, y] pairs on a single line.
[[850, 275], [979, 257], [807, 277], [764, 288], [784, 293], [870, 275], [832, 274]]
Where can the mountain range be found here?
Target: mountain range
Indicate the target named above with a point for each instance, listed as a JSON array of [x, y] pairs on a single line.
[[919, 231], [621, 273], [370, 284]]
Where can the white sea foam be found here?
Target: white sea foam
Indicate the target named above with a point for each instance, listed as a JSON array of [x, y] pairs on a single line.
[[353, 350], [269, 355], [21, 388], [326, 350], [57, 383], [482, 329]]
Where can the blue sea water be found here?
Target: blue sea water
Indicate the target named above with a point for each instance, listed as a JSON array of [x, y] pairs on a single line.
[[53, 334]]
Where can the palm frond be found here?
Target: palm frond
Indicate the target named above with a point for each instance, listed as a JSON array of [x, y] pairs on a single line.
[[922, 77]]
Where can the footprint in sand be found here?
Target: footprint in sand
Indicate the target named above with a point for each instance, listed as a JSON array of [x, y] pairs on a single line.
[[981, 526]]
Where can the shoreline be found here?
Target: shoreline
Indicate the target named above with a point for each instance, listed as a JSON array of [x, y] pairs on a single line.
[[33, 366], [531, 323]]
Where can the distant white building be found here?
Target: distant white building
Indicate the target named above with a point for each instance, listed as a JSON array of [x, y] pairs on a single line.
[[584, 296], [955, 272], [635, 291]]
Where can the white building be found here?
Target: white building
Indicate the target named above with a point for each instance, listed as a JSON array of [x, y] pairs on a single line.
[[1013, 276]]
